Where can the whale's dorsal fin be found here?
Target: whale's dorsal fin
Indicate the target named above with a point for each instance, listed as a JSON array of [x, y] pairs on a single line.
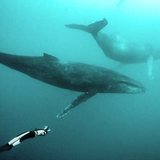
[[50, 57]]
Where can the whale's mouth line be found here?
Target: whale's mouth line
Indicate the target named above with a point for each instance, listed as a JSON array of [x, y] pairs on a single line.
[[133, 87]]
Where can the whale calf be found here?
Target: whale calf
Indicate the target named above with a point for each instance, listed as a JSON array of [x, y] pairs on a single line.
[[85, 78], [117, 48]]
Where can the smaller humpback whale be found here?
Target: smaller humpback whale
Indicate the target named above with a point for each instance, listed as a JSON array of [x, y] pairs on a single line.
[[85, 78], [117, 48]]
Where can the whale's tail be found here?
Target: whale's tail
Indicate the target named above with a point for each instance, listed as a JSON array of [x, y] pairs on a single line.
[[92, 28]]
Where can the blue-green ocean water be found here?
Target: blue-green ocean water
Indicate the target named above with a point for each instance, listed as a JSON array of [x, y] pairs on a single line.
[[106, 127]]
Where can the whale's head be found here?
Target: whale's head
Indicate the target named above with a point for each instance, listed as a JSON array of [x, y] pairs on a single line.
[[126, 85]]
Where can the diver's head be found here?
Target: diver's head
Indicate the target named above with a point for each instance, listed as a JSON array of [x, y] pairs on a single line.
[[42, 132]]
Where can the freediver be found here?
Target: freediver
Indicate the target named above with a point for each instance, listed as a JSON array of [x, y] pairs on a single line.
[[23, 136]]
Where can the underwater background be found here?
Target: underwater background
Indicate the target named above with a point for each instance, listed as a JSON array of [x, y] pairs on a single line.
[[107, 126]]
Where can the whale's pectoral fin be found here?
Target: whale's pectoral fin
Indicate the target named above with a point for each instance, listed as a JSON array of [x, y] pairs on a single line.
[[81, 98], [150, 67]]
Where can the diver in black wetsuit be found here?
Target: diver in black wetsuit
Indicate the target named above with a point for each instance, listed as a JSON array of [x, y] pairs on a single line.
[[23, 136]]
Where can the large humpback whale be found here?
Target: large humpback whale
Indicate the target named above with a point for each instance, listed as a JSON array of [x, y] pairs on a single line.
[[117, 48], [81, 77]]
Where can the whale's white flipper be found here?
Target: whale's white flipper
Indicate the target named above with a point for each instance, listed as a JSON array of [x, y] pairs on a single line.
[[150, 67], [81, 98]]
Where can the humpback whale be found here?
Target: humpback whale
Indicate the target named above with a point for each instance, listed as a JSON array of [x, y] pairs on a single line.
[[85, 78], [117, 48]]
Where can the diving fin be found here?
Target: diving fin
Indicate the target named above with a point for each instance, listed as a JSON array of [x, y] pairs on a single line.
[[5, 147]]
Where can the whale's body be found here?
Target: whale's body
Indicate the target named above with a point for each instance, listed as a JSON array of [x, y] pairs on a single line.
[[81, 77], [115, 47]]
